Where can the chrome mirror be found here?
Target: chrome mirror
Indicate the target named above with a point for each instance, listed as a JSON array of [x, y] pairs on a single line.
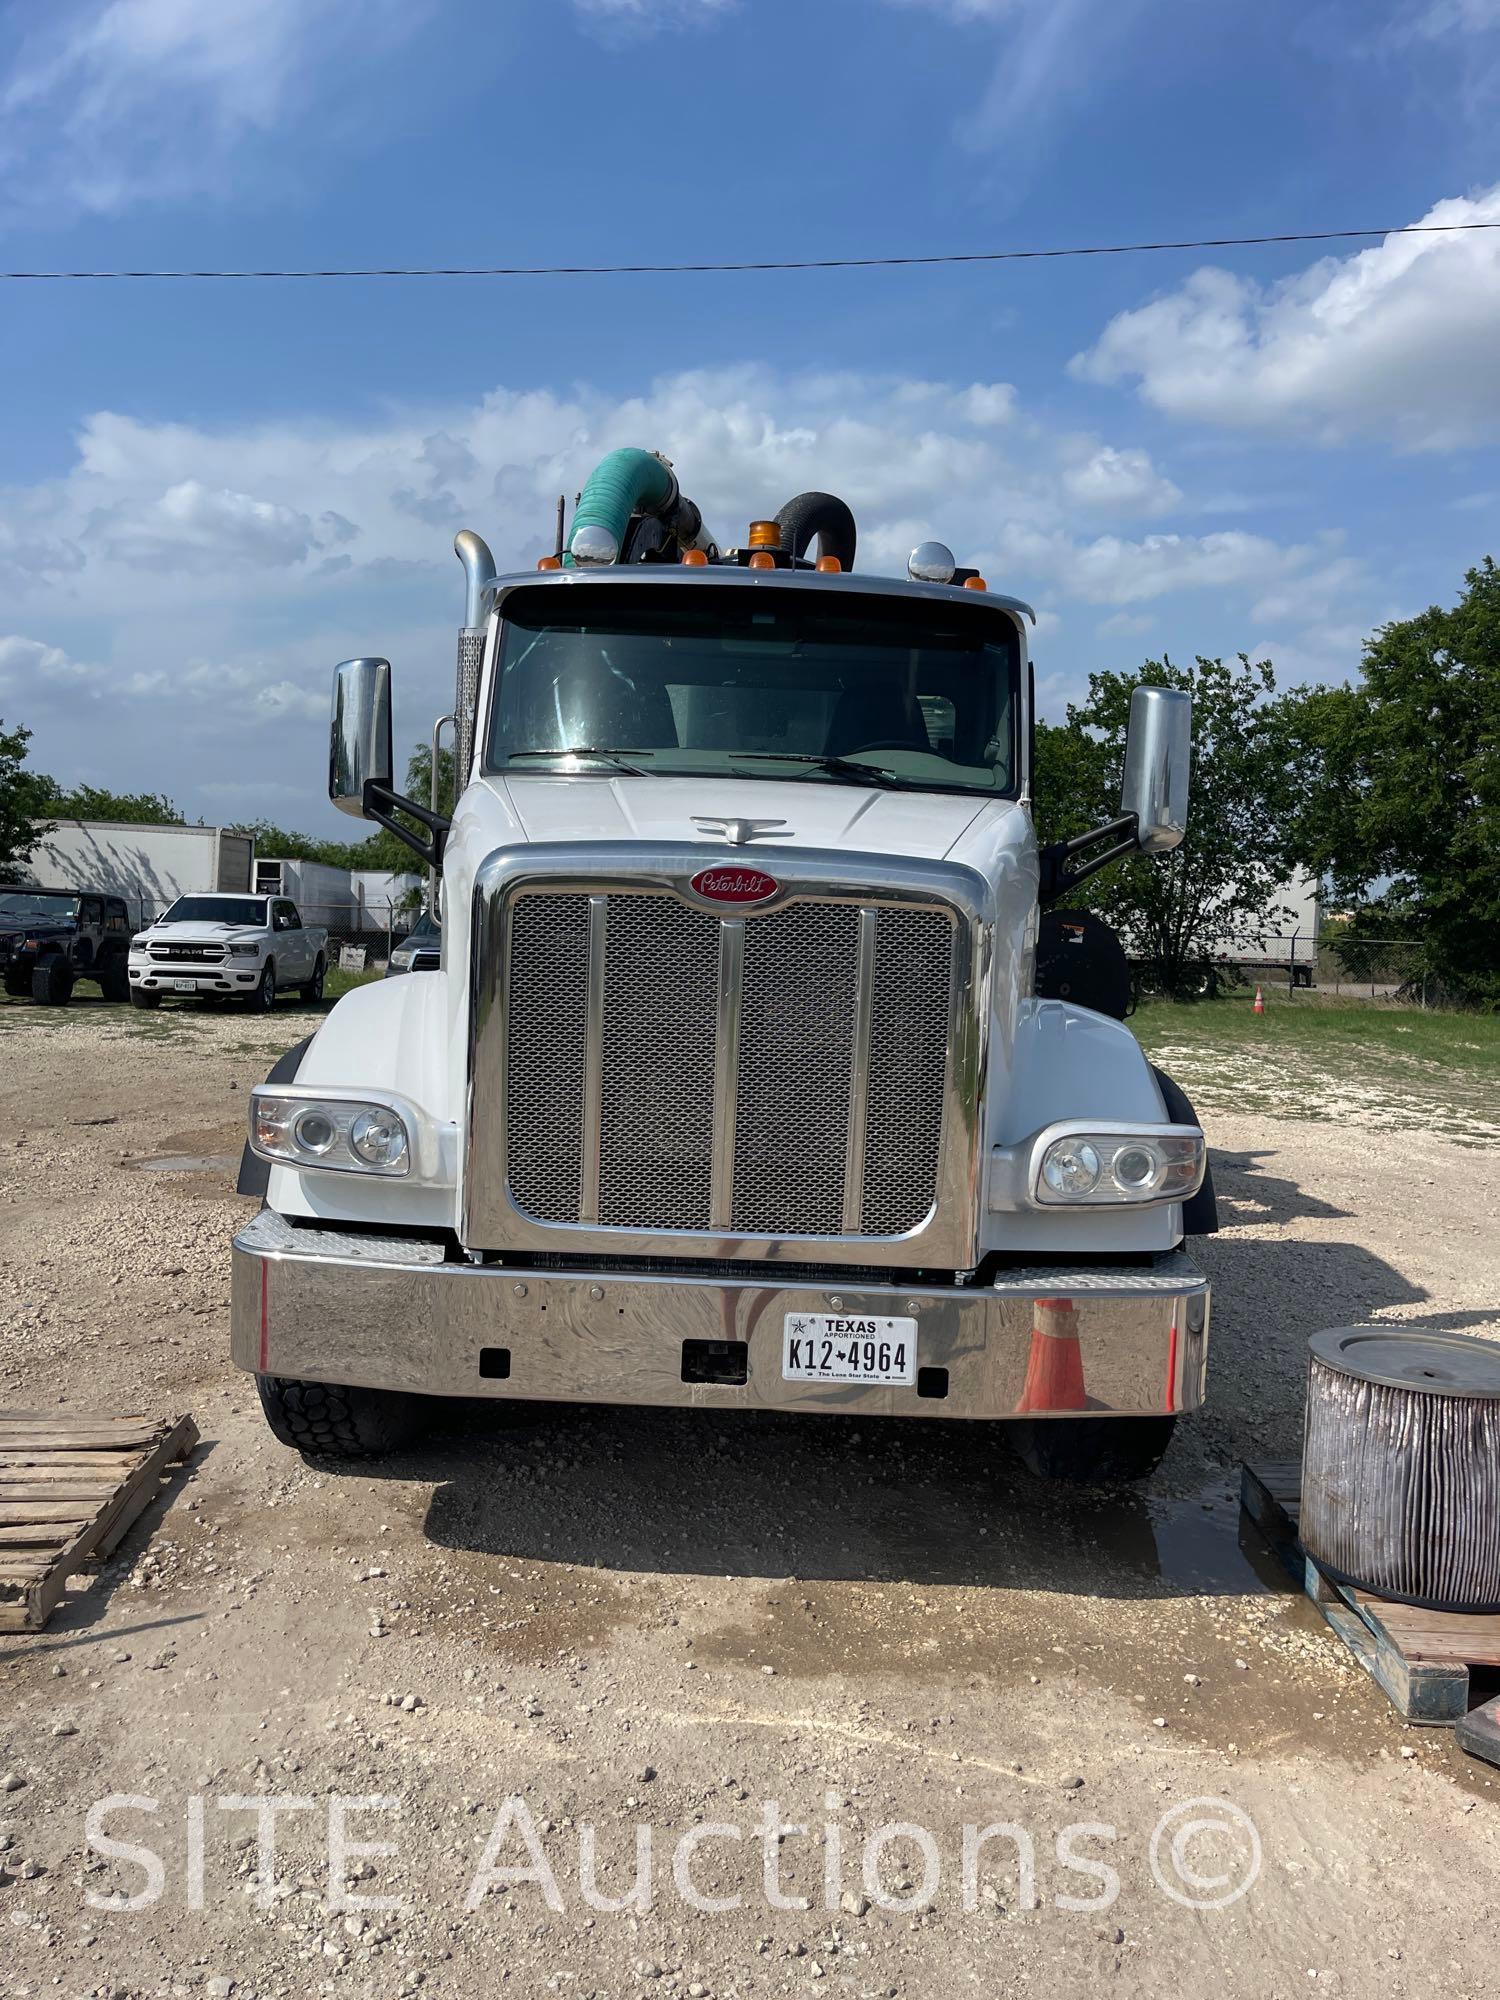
[[931, 562], [359, 738], [1158, 757]]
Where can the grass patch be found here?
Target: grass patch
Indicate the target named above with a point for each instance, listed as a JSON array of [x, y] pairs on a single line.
[[337, 983], [1379, 1065]]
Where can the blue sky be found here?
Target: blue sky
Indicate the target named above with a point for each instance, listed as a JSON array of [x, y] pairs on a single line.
[[209, 493]]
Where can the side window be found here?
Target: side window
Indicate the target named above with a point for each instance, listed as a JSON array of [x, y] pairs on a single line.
[[287, 918], [90, 913], [115, 920]]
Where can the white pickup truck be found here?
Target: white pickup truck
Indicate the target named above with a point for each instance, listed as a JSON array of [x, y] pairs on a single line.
[[228, 947]]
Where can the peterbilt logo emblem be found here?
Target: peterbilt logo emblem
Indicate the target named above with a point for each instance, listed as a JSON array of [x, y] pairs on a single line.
[[734, 885]]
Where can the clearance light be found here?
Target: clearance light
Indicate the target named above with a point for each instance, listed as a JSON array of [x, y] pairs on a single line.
[[762, 559], [764, 535], [975, 583], [828, 566], [548, 562], [695, 559]]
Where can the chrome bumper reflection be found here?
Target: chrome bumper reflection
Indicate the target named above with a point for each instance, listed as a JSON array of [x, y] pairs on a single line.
[[387, 1312]]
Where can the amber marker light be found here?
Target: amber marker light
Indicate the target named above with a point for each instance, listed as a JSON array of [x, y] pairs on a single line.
[[762, 559], [764, 535], [548, 562], [975, 583], [828, 566], [695, 559]]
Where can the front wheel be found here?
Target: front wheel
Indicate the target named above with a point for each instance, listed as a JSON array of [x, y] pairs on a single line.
[[329, 1420], [263, 998], [1093, 1451], [144, 997], [52, 982], [114, 981], [313, 990]]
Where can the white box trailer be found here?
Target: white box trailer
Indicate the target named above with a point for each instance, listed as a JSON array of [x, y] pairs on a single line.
[[378, 892], [1287, 944], [324, 894], [150, 866]]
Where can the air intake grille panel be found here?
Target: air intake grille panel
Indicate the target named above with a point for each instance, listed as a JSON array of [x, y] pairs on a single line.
[[697, 1053]]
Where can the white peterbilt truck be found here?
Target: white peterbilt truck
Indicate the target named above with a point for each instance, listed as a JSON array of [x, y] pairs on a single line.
[[742, 1082]]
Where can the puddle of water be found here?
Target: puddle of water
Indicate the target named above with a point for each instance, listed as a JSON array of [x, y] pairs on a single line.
[[189, 1163]]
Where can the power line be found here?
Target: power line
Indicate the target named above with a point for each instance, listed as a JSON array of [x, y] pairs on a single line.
[[773, 264]]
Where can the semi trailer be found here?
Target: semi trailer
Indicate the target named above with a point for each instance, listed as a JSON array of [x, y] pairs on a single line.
[[736, 1085]]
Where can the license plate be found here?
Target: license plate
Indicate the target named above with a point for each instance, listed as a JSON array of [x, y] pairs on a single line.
[[184, 985], [849, 1347]]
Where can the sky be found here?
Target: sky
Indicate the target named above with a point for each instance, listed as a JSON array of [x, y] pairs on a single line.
[[212, 492]]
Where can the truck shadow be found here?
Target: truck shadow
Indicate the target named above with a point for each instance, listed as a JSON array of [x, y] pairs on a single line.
[[1249, 1196]]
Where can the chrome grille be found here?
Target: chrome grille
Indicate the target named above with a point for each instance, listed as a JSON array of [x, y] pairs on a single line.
[[669, 1068], [549, 973], [796, 1055], [657, 1079], [908, 1064]]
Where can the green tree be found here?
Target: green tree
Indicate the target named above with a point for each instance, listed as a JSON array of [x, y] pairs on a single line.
[[1403, 801], [94, 802], [24, 802], [1222, 882]]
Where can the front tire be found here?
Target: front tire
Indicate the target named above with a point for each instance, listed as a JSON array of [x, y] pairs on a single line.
[[1093, 1451], [313, 990], [114, 981], [52, 982], [263, 998], [141, 996], [330, 1420], [18, 984]]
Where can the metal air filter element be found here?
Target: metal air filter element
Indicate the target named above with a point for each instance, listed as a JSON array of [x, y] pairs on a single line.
[[465, 702], [1401, 1466]]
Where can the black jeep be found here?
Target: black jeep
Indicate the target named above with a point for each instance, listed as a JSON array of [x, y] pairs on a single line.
[[51, 937]]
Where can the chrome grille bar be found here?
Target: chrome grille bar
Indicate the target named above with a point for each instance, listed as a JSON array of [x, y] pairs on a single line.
[[859, 1075], [593, 1058], [730, 1013]]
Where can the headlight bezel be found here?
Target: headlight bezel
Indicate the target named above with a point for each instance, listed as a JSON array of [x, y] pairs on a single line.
[[1178, 1156], [276, 1114]]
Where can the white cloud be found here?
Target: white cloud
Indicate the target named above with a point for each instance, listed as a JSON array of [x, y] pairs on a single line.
[[117, 101], [1396, 342], [30, 666], [1120, 482]]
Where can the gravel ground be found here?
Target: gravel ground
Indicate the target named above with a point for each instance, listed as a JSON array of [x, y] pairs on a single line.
[[578, 1623]]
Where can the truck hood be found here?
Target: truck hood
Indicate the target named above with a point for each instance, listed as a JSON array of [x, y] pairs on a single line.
[[37, 926], [205, 932], [926, 825]]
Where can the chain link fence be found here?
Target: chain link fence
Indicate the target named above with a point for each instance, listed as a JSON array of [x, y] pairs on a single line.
[[1337, 966]]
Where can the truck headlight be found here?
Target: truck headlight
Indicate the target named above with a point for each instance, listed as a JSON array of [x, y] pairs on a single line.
[[1132, 1163], [348, 1136], [250, 949]]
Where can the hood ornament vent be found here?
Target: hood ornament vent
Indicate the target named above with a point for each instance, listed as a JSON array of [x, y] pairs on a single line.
[[738, 832]]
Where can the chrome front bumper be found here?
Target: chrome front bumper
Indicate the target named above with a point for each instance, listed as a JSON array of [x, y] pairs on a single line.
[[388, 1313]]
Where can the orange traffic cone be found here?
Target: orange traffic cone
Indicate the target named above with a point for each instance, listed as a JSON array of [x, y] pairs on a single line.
[[1260, 1005], [1054, 1372]]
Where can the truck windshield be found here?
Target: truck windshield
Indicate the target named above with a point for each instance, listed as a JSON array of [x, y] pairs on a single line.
[[730, 683], [216, 910], [23, 904]]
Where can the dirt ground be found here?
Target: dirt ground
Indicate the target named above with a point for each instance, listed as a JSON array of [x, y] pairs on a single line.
[[536, 1635]]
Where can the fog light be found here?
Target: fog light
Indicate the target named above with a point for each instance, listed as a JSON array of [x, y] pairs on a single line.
[[379, 1138], [1071, 1167]]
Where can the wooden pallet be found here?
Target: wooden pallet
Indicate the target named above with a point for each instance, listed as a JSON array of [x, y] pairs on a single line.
[[1420, 1658], [69, 1488]]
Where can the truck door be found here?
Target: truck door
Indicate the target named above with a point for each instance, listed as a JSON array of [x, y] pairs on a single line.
[[292, 944], [90, 925]]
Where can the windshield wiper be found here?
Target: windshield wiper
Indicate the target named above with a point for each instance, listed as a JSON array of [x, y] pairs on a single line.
[[614, 757], [838, 767]]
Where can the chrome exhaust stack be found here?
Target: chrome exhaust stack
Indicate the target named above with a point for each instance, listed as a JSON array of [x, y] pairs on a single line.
[[479, 572]]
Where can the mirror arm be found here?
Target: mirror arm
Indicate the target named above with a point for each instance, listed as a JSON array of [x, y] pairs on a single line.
[[1060, 872], [381, 803]]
